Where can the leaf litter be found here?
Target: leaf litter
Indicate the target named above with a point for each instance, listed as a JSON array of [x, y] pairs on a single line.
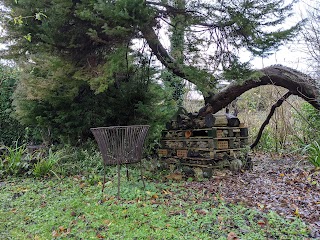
[[281, 184]]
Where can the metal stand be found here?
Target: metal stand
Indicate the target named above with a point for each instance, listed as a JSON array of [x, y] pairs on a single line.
[[121, 145], [141, 169], [118, 167]]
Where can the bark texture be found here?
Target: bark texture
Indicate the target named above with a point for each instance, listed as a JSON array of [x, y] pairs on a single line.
[[296, 82]]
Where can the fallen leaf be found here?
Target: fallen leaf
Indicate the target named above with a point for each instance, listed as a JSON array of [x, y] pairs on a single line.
[[261, 223], [232, 236], [68, 231], [176, 213], [174, 176], [13, 210], [296, 212], [55, 233], [154, 196], [107, 222], [73, 222], [100, 236], [202, 211]]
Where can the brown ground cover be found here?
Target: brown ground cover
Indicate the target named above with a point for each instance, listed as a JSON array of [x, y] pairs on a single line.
[[284, 184]]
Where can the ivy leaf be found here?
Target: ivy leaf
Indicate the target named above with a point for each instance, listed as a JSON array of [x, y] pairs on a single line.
[[40, 15], [18, 20], [28, 37]]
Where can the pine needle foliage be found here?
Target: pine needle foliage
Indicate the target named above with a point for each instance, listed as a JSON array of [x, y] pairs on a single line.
[[53, 98], [214, 32]]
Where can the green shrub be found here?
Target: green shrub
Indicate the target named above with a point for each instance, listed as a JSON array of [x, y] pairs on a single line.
[[308, 123], [80, 160], [64, 105], [313, 152], [267, 141], [43, 168], [10, 128], [46, 165], [14, 160], [309, 120]]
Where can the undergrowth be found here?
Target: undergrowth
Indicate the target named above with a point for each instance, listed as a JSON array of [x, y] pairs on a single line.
[[313, 152], [74, 208]]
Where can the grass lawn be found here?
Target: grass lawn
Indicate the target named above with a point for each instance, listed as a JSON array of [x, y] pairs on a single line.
[[73, 208]]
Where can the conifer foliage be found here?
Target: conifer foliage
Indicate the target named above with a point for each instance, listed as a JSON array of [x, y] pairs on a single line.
[[83, 64]]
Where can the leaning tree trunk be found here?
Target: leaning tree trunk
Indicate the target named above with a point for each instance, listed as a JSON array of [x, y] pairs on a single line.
[[296, 82]]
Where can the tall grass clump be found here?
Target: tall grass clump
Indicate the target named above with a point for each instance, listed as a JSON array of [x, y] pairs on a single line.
[[13, 160], [81, 160], [45, 166], [309, 123], [313, 153]]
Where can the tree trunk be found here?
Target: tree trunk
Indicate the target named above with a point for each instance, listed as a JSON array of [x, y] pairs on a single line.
[[296, 82]]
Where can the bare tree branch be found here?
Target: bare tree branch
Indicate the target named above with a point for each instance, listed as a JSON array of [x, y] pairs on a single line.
[[296, 82], [266, 122]]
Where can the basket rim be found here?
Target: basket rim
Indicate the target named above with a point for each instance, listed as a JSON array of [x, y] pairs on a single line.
[[119, 127]]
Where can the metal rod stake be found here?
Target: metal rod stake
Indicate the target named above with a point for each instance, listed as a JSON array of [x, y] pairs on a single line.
[[118, 181]]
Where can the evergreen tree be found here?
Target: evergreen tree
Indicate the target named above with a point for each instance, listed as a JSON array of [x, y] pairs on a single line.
[[10, 129], [87, 32], [94, 42], [64, 107]]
